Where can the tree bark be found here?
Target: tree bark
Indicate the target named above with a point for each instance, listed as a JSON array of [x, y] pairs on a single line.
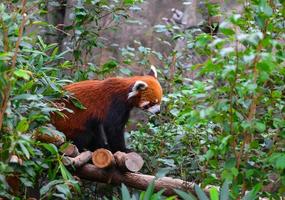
[[79, 160], [71, 151], [134, 180]]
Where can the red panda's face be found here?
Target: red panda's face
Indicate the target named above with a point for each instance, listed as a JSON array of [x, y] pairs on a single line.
[[148, 92]]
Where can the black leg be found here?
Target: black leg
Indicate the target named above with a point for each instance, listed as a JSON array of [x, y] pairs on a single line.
[[116, 140]]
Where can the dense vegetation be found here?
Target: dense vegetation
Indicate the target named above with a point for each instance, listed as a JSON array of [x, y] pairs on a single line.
[[224, 125]]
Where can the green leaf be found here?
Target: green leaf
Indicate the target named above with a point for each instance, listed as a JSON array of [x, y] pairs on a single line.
[[276, 94], [162, 172], [184, 195], [253, 193], [149, 191], [125, 192], [28, 97], [278, 160], [59, 195], [209, 154], [64, 172], [266, 65], [63, 188], [175, 112], [280, 164], [168, 198], [23, 125], [214, 194], [43, 45], [158, 195], [46, 188], [108, 66], [200, 193], [129, 2], [51, 148], [26, 182], [227, 31], [6, 55], [224, 194], [77, 103], [21, 73], [265, 8], [260, 127], [24, 150]]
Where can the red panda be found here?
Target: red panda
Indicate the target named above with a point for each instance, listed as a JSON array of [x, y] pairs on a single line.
[[108, 104]]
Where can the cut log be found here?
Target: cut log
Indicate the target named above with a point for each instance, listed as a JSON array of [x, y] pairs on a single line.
[[49, 134], [103, 158], [71, 151], [134, 180], [79, 160], [132, 162], [15, 160]]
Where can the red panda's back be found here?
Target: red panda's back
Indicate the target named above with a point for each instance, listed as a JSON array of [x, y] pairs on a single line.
[[90, 94]]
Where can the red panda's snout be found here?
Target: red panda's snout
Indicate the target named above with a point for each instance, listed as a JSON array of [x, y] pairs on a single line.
[[150, 107], [148, 92]]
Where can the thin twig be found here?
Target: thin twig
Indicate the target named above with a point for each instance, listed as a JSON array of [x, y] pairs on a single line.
[[172, 71], [5, 35], [233, 85], [248, 137], [7, 89]]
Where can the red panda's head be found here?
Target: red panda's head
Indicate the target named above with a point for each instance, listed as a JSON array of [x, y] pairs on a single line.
[[147, 92]]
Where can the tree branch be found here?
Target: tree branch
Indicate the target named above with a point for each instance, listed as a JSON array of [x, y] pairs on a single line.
[[7, 88]]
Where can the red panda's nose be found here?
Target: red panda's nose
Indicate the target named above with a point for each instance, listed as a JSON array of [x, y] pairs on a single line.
[[154, 109], [157, 112]]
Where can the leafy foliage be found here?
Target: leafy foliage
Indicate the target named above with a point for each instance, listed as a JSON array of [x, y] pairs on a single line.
[[145, 195], [227, 118], [32, 74]]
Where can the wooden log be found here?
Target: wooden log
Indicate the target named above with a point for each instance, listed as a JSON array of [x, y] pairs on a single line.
[[14, 159], [103, 158], [79, 160], [134, 180], [49, 134], [71, 151], [132, 162]]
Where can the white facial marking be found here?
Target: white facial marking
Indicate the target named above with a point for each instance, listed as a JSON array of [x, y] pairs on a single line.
[[132, 94], [154, 109], [156, 101], [139, 85], [144, 103], [152, 67]]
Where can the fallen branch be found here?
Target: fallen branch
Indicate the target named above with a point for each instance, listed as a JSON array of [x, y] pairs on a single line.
[[48, 134], [134, 180], [79, 160], [71, 151]]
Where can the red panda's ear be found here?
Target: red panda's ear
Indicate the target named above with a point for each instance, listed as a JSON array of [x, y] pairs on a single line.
[[138, 86], [153, 71]]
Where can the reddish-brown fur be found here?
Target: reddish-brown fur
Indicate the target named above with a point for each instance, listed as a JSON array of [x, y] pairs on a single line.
[[97, 95]]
